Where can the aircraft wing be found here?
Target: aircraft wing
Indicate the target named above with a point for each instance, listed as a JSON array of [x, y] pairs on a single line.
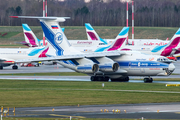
[[77, 56], [5, 62]]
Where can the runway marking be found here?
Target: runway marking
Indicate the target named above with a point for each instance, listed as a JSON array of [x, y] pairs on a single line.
[[66, 116], [141, 91]]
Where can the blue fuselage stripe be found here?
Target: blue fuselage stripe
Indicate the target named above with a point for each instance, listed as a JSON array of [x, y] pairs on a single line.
[[142, 64]]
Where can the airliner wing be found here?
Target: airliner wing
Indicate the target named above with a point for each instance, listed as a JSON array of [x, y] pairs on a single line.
[[77, 56], [4, 62]]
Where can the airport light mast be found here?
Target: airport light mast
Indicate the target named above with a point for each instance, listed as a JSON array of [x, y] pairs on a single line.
[[132, 19], [44, 15]]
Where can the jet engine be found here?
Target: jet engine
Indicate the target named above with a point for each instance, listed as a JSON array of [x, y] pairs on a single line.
[[109, 67], [90, 68], [106, 64], [82, 65]]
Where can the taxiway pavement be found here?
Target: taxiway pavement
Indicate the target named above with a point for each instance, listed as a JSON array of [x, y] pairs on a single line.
[[135, 111]]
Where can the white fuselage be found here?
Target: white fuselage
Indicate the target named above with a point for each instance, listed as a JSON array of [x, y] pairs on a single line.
[[17, 53], [143, 45]]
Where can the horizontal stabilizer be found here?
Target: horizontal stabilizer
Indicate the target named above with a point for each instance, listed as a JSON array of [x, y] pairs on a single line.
[[59, 19]]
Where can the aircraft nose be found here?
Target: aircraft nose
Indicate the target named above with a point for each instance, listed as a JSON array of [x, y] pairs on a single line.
[[171, 67]]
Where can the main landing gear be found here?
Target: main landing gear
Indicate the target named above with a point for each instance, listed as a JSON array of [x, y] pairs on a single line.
[[106, 79], [148, 80], [14, 67], [121, 79], [100, 78], [1, 67]]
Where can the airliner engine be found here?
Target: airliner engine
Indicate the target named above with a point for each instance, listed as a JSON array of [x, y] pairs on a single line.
[[106, 64], [90, 68], [109, 67], [82, 65]]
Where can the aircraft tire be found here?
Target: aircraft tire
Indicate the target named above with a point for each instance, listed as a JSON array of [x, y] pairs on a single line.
[[99, 78], [114, 79], [14, 67], [121, 79], [1, 67], [148, 80], [106, 79], [93, 78]]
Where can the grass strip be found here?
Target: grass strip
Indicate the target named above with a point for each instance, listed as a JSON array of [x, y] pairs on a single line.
[[17, 93]]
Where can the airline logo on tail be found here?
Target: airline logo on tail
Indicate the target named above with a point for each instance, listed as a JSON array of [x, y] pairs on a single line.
[[92, 35], [58, 38], [118, 43], [172, 47], [30, 38], [54, 38]]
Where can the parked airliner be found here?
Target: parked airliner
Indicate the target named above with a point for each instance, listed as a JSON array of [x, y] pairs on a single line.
[[116, 65], [169, 48], [92, 35], [9, 55]]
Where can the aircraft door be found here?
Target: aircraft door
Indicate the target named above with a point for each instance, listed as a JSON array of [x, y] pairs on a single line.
[[129, 65]]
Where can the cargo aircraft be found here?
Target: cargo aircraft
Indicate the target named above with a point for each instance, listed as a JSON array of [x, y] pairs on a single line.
[[101, 66]]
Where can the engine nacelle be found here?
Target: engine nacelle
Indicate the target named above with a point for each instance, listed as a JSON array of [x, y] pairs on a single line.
[[90, 68], [109, 67]]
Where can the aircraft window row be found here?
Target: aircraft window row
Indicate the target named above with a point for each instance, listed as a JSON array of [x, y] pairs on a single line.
[[12, 53], [162, 59], [101, 43]]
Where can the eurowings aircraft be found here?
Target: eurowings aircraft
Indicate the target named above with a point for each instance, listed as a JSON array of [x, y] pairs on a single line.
[[170, 49], [118, 43], [92, 35], [30, 39], [165, 48], [9, 55], [116, 65]]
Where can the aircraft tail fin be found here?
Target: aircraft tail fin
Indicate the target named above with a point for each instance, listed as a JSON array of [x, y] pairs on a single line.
[[118, 43], [30, 37], [173, 47], [92, 35], [56, 37], [120, 39], [175, 40], [54, 34]]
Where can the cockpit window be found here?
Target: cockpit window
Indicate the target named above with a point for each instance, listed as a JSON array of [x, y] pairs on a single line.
[[162, 59]]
